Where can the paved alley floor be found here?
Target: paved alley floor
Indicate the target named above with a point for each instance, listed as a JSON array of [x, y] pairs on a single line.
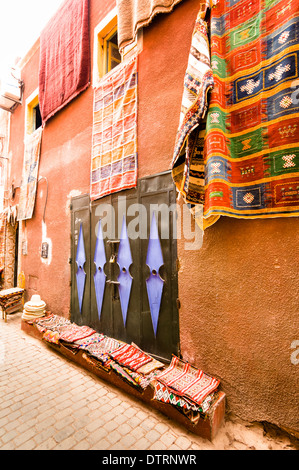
[[49, 403]]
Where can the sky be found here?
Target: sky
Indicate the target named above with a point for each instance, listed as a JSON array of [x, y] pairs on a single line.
[[21, 22]]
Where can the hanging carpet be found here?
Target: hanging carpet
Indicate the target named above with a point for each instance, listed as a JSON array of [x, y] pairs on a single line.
[[136, 14], [248, 167], [30, 174], [114, 140], [64, 69]]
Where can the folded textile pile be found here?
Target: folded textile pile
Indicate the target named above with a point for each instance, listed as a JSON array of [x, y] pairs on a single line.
[[186, 387], [56, 328], [11, 299], [73, 332], [51, 322], [127, 360], [130, 356], [134, 366], [35, 308], [138, 380], [84, 343], [50, 326], [102, 349]]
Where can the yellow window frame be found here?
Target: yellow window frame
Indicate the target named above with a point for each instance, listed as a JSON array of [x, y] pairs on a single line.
[[102, 54], [108, 46], [31, 104], [104, 47]]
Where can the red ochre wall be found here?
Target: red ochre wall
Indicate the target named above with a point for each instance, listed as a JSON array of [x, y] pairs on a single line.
[[238, 293], [65, 161]]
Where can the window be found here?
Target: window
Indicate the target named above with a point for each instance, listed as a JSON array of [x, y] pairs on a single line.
[[113, 57], [33, 116], [106, 53], [36, 118]]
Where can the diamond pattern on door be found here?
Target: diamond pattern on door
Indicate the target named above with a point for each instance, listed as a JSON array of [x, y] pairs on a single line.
[[80, 260], [124, 261], [99, 276], [154, 283], [127, 289]]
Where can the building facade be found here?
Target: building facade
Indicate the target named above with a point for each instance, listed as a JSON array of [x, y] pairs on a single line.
[[228, 299]]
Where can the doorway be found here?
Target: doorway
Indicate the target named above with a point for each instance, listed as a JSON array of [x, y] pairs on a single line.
[[124, 265]]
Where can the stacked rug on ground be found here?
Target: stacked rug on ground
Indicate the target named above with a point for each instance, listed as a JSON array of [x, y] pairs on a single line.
[[127, 361], [11, 300], [187, 388], [56, 328], [51, 322], [35, 308], [101, 350], [134, 365]]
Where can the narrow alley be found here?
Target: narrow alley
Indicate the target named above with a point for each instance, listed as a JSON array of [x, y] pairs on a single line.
[[49, 403]]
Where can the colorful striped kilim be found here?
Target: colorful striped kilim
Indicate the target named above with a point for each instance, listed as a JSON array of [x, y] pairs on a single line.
[[125, 374], [165, 395], [251, 147], [51, 336], [83, 343], [188, 165], [185, 380], [131, 356], [75, 332], [102, 349], [114, 145]]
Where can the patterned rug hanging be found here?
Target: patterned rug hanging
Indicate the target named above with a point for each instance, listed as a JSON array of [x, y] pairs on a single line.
[[30, 174], [114, 142], [251, 146]]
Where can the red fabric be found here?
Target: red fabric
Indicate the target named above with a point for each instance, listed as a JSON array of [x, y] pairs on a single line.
[[129, 356], [64, 69]]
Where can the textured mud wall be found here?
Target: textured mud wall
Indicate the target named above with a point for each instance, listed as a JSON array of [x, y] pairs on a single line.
[[239, 315], [239, 292], [65, 162]]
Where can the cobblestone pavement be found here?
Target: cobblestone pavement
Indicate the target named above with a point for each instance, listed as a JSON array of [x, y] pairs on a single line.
[[49, 403]]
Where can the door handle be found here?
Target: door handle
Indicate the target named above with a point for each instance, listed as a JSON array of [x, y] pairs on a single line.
[[114, 285]]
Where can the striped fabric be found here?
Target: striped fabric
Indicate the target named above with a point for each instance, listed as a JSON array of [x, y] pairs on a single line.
[[130, 356], [188, 170], [245, 163], [252, 141], [187, 381]]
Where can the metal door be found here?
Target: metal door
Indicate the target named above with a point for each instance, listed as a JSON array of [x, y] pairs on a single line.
[[130, 275], [80, 260]]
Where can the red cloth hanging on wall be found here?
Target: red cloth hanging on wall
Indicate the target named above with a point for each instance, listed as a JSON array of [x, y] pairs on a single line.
[[64, 69]]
